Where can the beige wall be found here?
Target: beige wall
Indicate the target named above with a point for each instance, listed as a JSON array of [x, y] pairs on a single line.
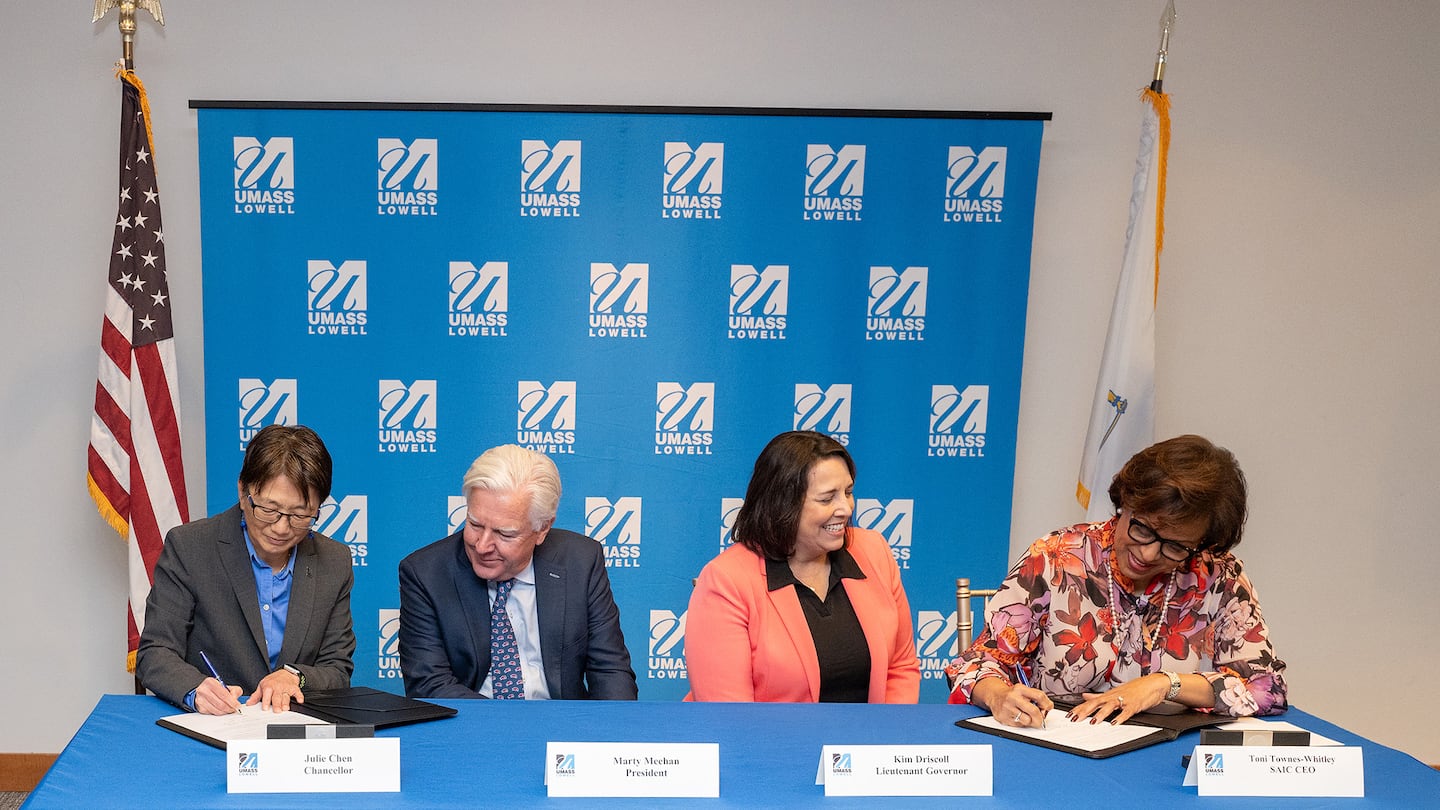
[[1296, 307]]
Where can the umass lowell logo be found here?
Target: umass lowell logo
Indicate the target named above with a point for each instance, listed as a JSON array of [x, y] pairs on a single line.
[[684, 419], [336, 302], [619, 300], [834, 182], [479, 299], [408, 421], [694, 180], [729, 508], [759, 302], [264, 176], [408, 177], [958, 420], [457, 511], [549, 179], [896, 306], [347, 520], [936, 642], [893, 520], [545, 416], [248, 763], [617, 526], [387, 661], [667, 645], [975, 184], [824, 410], [564, 764], [264, 404]]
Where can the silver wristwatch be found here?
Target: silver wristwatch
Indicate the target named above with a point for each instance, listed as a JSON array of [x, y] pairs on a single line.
[[297, 673], [1174, 685]]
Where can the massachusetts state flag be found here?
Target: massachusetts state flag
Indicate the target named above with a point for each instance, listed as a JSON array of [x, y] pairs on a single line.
[[1122, 416], [135, 472]]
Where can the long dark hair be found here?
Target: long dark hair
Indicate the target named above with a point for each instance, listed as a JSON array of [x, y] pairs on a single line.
[[767, 522]]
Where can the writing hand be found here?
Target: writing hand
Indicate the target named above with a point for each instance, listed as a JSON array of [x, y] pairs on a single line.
[[212, 697]]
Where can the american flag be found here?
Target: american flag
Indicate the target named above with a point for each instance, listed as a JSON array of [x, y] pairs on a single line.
[[136, 474]]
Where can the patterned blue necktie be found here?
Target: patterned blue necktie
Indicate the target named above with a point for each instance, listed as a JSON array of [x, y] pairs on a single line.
[[506, 680]]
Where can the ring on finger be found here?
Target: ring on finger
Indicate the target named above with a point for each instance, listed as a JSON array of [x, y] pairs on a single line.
[[1120, 699]]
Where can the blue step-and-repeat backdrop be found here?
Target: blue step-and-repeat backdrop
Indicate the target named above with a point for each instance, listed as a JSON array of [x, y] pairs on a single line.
[[648, 295]]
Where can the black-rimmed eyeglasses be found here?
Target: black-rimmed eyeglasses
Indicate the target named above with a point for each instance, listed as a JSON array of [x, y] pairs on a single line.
[[267, 515], [1144, 535]]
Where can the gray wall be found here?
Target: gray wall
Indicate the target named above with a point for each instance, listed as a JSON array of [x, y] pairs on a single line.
[[1296, 305]]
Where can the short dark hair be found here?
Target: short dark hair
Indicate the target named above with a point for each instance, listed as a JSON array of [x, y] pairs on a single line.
[[296, 453], [767, 522], [1184, 479]]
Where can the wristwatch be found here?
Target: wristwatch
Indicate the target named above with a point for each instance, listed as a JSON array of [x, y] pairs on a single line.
[[297, 673], [1174, 684]]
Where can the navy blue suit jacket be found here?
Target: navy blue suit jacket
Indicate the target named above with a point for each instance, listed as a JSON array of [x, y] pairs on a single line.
[[445, 622]]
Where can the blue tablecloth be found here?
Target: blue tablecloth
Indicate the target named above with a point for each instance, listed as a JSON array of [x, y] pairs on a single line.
[[493, 754]]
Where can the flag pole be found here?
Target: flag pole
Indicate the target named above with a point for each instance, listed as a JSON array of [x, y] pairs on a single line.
[[127, 22], [118, 466], [1167, 23], [1122, 416]]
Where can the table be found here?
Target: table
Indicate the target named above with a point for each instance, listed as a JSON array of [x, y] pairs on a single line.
[[493, 753]]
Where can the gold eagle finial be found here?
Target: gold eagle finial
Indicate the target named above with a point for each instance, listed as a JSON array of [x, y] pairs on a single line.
[[127, 21]]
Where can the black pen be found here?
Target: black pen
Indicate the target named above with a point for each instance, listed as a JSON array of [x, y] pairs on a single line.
[[206, 659]]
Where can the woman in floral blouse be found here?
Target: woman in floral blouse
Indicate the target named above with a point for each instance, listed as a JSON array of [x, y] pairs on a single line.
[[1145, 607]]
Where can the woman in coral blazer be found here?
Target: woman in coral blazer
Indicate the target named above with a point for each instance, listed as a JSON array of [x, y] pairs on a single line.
[[804, 607]]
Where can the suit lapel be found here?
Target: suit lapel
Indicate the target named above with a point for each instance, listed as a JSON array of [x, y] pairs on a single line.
[[473, 596], [868, 597], [550, 605], [236, 560], [302, 600], [787, 605]]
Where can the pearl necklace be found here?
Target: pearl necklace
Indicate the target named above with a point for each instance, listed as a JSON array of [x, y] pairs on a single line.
[[1115, 605]]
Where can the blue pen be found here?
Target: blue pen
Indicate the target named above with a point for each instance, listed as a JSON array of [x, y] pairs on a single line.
[[1024, 681], [206, 659]]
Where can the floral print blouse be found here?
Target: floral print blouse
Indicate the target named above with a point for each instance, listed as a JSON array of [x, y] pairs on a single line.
[[1053, 617]]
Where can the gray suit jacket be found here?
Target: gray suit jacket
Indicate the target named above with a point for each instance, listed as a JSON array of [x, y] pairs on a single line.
[[204, 598], [445, 622]]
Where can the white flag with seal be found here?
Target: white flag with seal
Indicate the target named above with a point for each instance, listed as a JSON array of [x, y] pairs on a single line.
[[1122, 416]]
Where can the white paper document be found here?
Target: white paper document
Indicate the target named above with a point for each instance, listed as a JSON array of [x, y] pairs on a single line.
[[247, 724], [1081, 735]]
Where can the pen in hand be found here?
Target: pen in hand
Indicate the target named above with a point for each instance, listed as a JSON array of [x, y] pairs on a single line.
[[1024, 681], [216, 674]]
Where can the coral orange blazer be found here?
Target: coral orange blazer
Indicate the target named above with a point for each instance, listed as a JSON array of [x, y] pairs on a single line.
[[745, 643]]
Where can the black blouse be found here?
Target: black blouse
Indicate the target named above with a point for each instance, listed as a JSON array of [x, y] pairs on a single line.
[[840, 644]]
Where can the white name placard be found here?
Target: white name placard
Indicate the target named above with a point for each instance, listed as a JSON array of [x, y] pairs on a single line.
[[369, 765], [906, 770], [632, 769], [1246, 770]]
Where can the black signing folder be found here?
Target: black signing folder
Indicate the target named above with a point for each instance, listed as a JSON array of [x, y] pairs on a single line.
[[361, 705], [1161, 728]]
